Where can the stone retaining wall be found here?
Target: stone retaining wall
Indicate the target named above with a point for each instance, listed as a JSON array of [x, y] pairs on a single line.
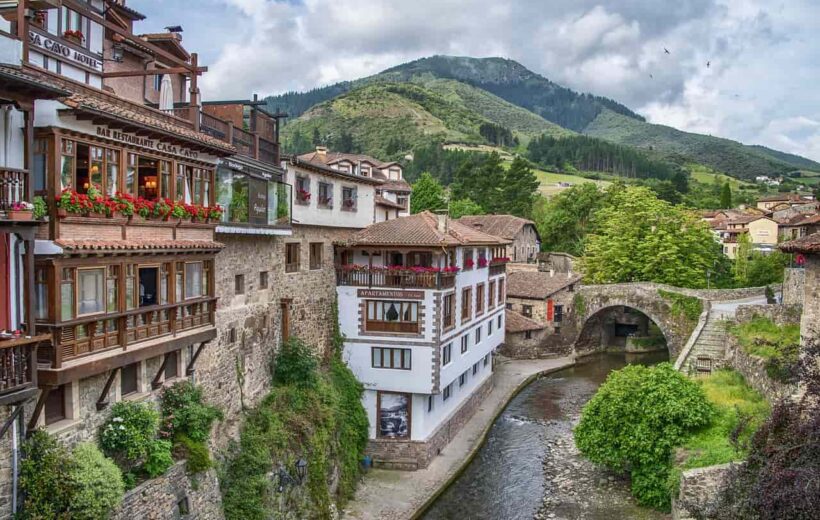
[[793, 285], [413, 455], [753, 369], [780, 314], [171, 495], [699, 490]]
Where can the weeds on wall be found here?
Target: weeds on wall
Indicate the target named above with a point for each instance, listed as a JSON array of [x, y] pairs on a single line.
[[689, 307], [778, 345]]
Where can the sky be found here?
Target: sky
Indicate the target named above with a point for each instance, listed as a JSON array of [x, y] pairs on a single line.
[[742, 69]]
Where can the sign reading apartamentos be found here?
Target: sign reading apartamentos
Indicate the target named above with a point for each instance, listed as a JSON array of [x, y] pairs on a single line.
[[379, 293], [65, 52]]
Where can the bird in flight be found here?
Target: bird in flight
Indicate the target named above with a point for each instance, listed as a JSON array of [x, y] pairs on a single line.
[[708, 64], [666, 50], [651, 76]]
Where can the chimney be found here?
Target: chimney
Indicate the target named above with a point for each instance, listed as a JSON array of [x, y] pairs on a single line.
[[321, 151], [478, 225]]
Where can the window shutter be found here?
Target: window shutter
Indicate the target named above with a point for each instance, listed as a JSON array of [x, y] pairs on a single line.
[[550, 310]]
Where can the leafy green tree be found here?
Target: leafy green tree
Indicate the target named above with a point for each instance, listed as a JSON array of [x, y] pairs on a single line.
[[564, 220], [519, 190], [663, 408], [740, 268], [463, 207], [726, 196], [681, 181], [638, 237], [765, 269], [317, 138], [97, 482], [345, 143], [428, 194], [481, 184], [298, 143]]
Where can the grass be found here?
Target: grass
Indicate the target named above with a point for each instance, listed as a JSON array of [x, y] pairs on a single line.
[[739, 411], [707, 175], [689, 307], [764, 338]]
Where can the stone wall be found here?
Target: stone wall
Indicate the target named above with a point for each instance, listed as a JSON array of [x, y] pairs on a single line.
[[810, 322], [793, 285], [753, 369], [517, 346], [556, 339], [174, 495], [412, 455], [699, 490], [780, 314]]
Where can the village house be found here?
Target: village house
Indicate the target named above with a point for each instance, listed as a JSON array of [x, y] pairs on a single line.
[[526, 243], [392, 196], [421, 306], [762, 232], [781, 201], [538, 305], [798, 226]]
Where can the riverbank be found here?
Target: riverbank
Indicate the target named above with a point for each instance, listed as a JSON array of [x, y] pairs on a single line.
[[388, 494]]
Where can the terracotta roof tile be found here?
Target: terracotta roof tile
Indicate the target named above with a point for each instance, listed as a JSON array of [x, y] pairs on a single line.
[[807, 244], [133, 245], [504, 226], [516, 322], [786, 197], [10, 74], [802, 219], [421, 230], [537, 285], [381, 201]]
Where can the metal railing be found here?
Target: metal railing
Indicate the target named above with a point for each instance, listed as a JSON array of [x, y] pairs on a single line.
[[394, 279]]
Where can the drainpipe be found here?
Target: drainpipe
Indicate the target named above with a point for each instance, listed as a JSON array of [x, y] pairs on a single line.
[[6, 133], [15, 456]]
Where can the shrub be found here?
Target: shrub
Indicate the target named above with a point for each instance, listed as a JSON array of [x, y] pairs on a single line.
[[97, 484], [157, 458], [129, 433], [45, 480], [185, 413], [636, 419], [295, 365], [689, 307], [194, 452]]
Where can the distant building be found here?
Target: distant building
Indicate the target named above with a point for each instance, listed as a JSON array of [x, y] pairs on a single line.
[[798, 226], [782, 201], [526, 242], [762, 232]]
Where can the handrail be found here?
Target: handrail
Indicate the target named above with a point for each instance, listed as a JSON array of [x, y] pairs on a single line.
[[13, 184], [395, 278]]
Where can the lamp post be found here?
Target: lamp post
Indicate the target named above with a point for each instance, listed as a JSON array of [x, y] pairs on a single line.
[[301, 470]]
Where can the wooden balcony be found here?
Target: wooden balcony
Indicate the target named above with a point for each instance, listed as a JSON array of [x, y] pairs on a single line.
[[245, 142], [498, 268], [13, 184], [125, 332], [394, 279], [18, 379]]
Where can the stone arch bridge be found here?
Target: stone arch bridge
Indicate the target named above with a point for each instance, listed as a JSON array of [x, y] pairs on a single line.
[[681, 314]]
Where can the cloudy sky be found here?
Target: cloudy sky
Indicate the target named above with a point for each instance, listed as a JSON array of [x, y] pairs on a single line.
[[762, 84]]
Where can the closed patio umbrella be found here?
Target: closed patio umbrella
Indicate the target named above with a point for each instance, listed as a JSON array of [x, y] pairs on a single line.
[[166, 94]]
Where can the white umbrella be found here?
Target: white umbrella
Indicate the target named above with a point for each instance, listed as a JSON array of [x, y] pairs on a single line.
[[166, 94]]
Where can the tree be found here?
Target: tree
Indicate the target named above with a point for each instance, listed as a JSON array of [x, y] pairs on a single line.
[[740, 269], [317, 138], [766, 269], [637, 237], [463, 207], [345, 143], [726, 196], [519, 190], [480, 183], [564, 220], [428, 194], [681, 181]]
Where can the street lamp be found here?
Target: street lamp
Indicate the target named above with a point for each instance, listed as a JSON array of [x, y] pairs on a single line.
[[301, 469]]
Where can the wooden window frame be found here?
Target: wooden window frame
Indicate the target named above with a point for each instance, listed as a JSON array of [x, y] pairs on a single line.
[[479, 299], [78, 271], [491, 295], [263, 279], [295, 265], [448, 309], [447, 354], [466, 304], [406, 358], [526, 311], [399, 326], [314, 263], [465, 343]]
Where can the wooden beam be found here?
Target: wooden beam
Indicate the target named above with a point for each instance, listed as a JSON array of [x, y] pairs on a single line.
[[156, 383], [154, 72], [38, 408], [102, 402], [189, 370], [11, 419]]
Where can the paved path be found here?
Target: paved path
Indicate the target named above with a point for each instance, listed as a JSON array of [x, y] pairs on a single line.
[[729, 308], [397, 495]]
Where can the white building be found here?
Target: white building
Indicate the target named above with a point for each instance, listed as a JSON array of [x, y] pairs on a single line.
[[392, 195], [421, 305]]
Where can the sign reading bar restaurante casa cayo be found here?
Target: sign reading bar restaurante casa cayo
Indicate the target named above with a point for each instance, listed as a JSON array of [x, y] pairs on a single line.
[[142, 142]]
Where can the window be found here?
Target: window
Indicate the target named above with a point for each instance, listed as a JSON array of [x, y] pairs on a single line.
[[195, 283], [40, 293], [316, 255], [128, 379], [263, 279], [171, 365], [508, 306], [502, 296], [38, 171], [91, 292], [302, 190], [571, 287], [499, 322], [466, 304], [528, 334], [559, 313], [348, 198], [55, 409], [491, 292], [557, 330], [475, 368], [486, 360], [526, 310], [477, 335], [148, 286], [74, 21], [446, 354], [468, 259], [430, 400], [325, 195], [402, 201], [448, 391], [490, 328], [448, 311], [462, 379], [392, 316], [465, 340], [158, 82], [479, 299], [239, 284], [292, 257], [390, 358]]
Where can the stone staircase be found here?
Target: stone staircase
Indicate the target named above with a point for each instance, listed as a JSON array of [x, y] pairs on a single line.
[[709, 350]]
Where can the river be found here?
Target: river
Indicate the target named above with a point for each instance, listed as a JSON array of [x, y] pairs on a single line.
[[529, 466]]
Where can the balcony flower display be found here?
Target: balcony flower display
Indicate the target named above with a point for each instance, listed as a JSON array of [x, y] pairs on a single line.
[[21, 211], [69, 201], [303, 195], [177, 210], [126, 203], [468, 264], [75, 36], [215, 213], [40, 207], [326, 201], [349, 203], [482, 262], [500, 260], [144, 207], [162, 209], [400, 268], [196, 213]]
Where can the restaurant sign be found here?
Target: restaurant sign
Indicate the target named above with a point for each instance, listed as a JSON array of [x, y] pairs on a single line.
[[380, 293], [63, 51], [258, 201], [143, 142]]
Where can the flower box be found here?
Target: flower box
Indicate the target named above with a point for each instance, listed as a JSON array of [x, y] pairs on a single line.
[[20, 214]]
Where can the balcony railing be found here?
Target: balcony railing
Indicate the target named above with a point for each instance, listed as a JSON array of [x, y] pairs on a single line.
[[16, 363], [496, 269], [267, 151], [214, 126], [244, 141], [394, 279], [12, 187], [87, 336]]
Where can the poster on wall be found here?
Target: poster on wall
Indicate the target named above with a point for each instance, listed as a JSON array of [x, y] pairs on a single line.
[[394, 416]]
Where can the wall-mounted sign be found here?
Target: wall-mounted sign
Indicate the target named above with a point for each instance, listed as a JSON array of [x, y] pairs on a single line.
[[54, 47], [257, 201], [250, 170], [143, 142], [381, 293]]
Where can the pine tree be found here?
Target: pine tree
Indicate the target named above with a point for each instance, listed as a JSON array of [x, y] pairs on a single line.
[[726, 196], [481, 183], [317, 138], [519, 189], [428, 194]]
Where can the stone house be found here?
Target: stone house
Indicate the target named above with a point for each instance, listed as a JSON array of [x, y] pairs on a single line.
[[762, 232], [544, 298], [809, 248], [526, 242], [798, 226], [781, 201]]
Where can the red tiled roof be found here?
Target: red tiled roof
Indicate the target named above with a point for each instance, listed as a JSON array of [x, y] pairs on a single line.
[[330, 158], [504, 226], [807, 244], [802, 219], [132, 245], [381, 201], [515, 322], [38, 87], [786, 197], [394, 185], [421, 230], [537, 285]]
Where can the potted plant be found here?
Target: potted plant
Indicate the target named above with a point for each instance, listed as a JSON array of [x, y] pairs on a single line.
[[144, 208], [178, 211], [215, 213], [482, 262], [349, 203], [468, 263], [21, 211], [125, 203], [193, 211], [74, 36], [161, 209], [303, 195], [69, 201], [98, 207], [40, 208]]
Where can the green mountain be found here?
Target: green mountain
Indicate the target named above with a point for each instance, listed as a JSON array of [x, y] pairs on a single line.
[[450, 99]]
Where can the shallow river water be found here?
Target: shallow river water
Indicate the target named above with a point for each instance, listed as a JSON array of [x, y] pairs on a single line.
[[529, 467]]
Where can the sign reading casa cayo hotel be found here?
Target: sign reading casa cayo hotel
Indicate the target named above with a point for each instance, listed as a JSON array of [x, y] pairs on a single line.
[[63, 51]]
